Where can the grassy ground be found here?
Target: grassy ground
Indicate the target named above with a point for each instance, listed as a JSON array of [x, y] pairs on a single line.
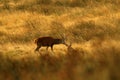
[[92, 26]]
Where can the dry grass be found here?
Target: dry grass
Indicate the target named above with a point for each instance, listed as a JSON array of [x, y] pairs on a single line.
[[92, 26]]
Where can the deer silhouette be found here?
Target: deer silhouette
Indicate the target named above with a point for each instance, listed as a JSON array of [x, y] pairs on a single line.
[[48, 42]]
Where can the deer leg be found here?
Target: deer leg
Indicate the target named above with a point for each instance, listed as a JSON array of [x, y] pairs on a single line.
[[47, 48], [52, 47], [37, 49]]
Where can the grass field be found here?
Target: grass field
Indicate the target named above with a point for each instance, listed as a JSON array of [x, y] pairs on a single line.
[[91, 26]]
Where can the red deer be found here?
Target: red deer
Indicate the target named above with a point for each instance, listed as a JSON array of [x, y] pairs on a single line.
[[48, 42]]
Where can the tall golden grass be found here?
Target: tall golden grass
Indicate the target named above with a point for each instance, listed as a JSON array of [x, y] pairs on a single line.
[[91, 26]]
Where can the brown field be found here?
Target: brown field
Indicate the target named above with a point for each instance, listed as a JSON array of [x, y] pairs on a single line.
[[91, 26]]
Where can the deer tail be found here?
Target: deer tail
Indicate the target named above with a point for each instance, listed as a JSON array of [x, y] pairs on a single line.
[[35, 41]]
